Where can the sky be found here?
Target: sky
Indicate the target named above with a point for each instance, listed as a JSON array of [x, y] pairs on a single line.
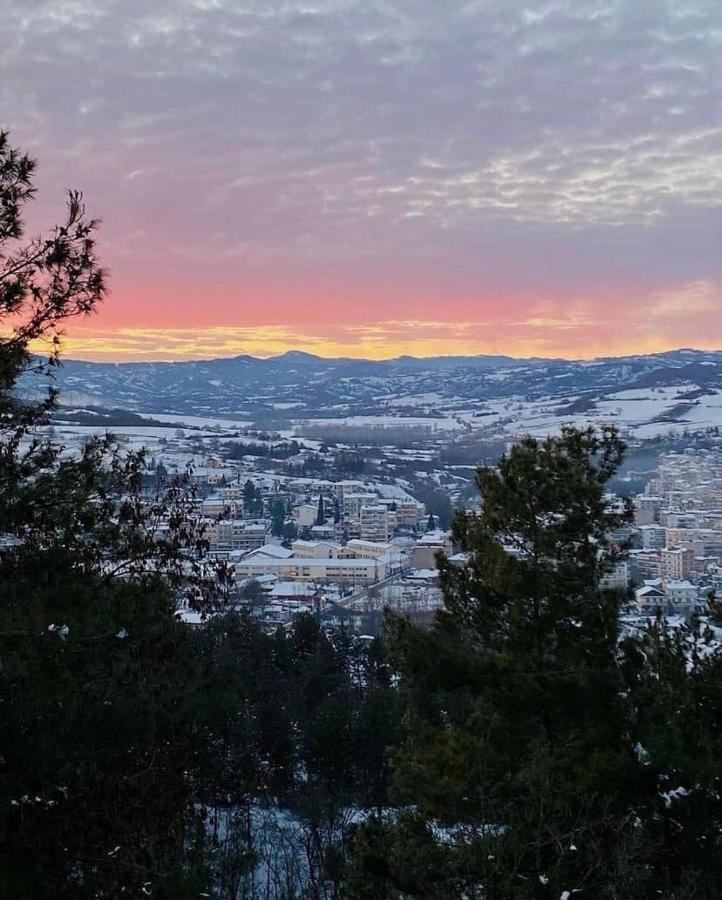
[[375, 177]]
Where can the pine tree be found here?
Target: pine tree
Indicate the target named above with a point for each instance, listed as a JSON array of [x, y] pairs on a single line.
[[252, 499], [249, 497], [518, 777], [321, 514], [96, 674], [278, 517], [674, 683]]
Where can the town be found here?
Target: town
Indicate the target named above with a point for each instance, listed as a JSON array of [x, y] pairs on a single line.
[[300, 534]]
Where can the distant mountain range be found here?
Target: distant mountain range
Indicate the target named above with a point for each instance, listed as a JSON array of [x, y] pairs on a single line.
[[298, 384]]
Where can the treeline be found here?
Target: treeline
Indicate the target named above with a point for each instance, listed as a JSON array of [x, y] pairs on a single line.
[[283, 450], [336, 465], [471, 451], [172, 761], [109, 418], [371, 435]]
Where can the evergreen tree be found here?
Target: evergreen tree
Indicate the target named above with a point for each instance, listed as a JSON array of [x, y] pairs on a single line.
[[96, 677], [321, 514], [290, 532], [278, 517], [298, 725], [252, 499], [674, 683], [519, 776]]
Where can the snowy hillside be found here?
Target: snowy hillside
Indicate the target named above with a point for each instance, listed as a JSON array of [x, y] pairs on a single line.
[[496, 396]]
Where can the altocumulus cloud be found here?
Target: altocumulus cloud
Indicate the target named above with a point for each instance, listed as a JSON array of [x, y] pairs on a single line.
[[544, 162]]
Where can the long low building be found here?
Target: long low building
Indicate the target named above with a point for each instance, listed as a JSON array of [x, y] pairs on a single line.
[[340, 571], [368, 549]]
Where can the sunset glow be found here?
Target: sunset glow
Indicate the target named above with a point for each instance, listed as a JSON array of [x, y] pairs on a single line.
[[371, 180]]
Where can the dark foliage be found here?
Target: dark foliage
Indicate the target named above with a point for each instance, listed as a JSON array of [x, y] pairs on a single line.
[[125, 737], [539, 752]]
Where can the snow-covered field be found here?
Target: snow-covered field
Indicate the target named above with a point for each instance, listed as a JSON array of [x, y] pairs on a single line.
[[641, 414]]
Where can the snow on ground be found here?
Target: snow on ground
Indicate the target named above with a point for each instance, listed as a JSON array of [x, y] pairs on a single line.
[[640, 413], [637, 407], [706, 412], [390, 491], [633, 411], [656, 429]]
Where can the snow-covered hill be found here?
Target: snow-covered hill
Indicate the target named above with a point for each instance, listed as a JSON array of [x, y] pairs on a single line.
[[645, 395]]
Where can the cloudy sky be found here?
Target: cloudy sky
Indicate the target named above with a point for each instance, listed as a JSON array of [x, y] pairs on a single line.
[[374, 177]]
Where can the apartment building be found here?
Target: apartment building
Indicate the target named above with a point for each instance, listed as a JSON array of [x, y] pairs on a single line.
[[675, 563], [352, 503], [668, 597], [423, 553], [348, 571], [237, 534], [315, 549], [305, 514], [374, 523]]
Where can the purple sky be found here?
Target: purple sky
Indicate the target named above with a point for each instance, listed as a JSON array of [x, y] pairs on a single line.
[[370, 178]]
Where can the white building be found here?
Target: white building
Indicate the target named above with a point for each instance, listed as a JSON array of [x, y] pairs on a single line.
[[217, 506], [409, 513], [315, 549], [667, 597], [267, 551], [653, 537], [341, 571], [423, 553], [237, 534], [676, 562], [366, 549], [352, 504], [305, 514], [681, 595], [374, 523]]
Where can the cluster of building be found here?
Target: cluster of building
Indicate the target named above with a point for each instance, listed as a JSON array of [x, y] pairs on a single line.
[[303, 543], [337, 540], [343, 539], [676, 559], [355, 563], [318, 509], [357, 511], [312, 575]]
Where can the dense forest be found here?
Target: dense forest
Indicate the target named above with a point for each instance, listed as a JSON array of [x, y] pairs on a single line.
[[518, 748]]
